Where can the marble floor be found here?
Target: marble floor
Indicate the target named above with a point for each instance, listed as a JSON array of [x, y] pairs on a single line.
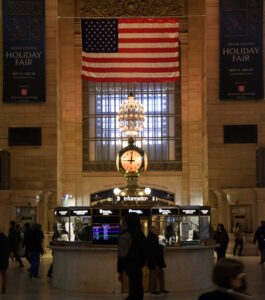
[[21, 287]]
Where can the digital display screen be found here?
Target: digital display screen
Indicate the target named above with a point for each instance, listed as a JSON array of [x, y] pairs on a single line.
[[106, 233]]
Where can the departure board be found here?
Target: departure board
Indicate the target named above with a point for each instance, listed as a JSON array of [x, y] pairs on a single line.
[[106, 233]]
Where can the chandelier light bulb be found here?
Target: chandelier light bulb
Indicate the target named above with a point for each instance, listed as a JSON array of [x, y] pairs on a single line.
[[116, 191], [147, 191]]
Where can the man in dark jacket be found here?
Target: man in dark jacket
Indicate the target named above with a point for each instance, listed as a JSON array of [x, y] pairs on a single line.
[[36, 237], [26, 241], [13, 240], [4, 256], [131, 256], [156, 261], [260, 237]]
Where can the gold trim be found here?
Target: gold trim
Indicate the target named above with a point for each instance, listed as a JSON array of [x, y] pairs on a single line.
[[125, 8]]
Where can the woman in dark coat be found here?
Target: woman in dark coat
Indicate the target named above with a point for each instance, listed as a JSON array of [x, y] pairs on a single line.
[[4, 256], [221, 237]]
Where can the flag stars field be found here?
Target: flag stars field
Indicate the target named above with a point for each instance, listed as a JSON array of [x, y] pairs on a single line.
[[130, 50]]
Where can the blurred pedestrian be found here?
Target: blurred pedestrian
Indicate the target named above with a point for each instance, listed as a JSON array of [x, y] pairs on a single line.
[[36, 250], [4, 256], [13, 240], [221, 238], [20, 246], [239, 239], [230, 280], [260, 237], [156, 262], [132, 251], [26, 241]]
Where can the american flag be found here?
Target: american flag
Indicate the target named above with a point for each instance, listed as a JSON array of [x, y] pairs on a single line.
[[130, 50]]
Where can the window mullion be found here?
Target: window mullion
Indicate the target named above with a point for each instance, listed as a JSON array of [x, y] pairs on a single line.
[[102, 121], [161, 121], [148, 120], [154, 118]]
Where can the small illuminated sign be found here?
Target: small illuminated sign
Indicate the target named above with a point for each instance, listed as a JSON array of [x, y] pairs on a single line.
[[80, 212], [135, 198], [205, 210], [164, 211], [63, 212], [189, 211], [138, 211], [142, 212], [105, 212]]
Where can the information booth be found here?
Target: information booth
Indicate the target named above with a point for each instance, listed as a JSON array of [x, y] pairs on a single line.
[[178, 225], [86, 238]]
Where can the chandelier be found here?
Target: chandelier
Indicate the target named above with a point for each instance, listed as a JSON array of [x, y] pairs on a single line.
[[131, 116]]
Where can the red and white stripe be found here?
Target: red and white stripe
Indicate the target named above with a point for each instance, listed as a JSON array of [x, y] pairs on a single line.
[[148, 52]]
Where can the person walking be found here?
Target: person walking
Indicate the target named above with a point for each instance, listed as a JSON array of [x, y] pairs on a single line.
[[26, 241], [132, 251], [156, 262], [239, 236], [20, 246], [36, 250], [13, 240], [230, 280], [221, 237], [4, 257], [260, 237]]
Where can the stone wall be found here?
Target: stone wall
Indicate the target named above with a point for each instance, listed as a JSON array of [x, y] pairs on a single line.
[[231, 167], [33, 169]]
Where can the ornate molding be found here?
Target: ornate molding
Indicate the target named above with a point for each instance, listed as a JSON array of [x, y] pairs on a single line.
[[126, 8]]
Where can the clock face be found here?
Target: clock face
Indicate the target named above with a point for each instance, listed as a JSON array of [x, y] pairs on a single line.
[[131, 160]]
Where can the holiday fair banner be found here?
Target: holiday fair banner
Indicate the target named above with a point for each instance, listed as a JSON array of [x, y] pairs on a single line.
[[241, 49], [23, 51]]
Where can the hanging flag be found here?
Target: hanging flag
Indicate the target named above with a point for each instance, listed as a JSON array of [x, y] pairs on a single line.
[[130, 50]]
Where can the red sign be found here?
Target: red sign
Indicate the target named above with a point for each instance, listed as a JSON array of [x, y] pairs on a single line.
[[241, 88], [23, 92]]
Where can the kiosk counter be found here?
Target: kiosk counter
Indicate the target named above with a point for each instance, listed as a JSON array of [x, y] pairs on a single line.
[[86, 238]]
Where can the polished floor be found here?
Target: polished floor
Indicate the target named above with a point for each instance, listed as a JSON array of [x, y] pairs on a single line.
[[21, 287]]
